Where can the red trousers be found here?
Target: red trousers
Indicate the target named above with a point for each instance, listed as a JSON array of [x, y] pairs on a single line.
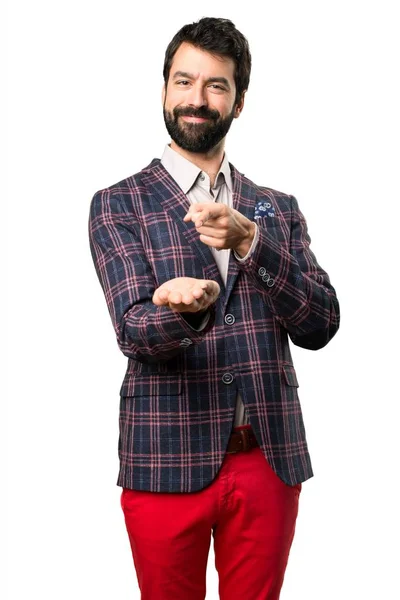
[[248, 510]]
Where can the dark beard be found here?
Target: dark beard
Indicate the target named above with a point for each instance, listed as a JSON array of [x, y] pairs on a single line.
[[197, 137]]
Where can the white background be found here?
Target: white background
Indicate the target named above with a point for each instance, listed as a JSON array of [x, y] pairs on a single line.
[[321, 121]]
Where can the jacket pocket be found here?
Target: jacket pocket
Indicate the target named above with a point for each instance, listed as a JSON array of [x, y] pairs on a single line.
[[290, 375]]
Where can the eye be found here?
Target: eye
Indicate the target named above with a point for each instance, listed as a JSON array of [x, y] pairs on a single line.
[[218, 89], [182, 82]]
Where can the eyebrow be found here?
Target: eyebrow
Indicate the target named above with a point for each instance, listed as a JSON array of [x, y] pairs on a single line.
[[222, 80]]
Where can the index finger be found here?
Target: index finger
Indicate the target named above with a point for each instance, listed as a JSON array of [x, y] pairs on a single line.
[[206, 213], [194, 208]]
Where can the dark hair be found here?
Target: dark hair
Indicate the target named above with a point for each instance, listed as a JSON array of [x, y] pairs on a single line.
[[219, 37]]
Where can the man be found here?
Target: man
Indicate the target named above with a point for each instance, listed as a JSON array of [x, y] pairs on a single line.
[[206, 275]]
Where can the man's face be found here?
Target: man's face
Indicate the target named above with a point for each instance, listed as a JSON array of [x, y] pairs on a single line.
[[199, 99]]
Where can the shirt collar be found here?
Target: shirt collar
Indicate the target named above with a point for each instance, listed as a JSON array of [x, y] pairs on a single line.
[[186, 173]]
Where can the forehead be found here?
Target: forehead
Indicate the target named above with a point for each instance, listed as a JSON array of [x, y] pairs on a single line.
[[201, 64]]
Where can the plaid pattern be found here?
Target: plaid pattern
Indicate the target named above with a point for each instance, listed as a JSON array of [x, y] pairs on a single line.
[[179, 392]]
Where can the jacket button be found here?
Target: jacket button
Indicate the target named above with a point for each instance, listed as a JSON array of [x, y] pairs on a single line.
[[262, 271], [227, 378], [229, 319]]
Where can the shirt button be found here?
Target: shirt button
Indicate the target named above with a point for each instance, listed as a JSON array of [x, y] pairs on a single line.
[[229, 319], [227, 378], [202, 177], [186, 342]]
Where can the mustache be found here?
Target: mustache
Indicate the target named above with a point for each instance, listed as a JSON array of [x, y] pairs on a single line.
[[201, 113]]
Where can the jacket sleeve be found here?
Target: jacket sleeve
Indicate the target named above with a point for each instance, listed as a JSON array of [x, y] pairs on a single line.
[[296, 289], [144, 331]]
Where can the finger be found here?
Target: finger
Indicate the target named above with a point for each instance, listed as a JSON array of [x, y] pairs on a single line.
[[160, 297], [175, 297], [214, 214], [213, 211], [213, 242], [189, 297], [212, 288], [188, 217], [210, 231], [201, 217], [195, 208], [197, 217], [198, 292], [185, 308], [206, 212]]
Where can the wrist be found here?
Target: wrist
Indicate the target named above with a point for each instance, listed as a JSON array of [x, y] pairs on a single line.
[[243, 248]]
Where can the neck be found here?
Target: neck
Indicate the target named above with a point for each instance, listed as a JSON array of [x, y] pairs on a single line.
[[209, 162]]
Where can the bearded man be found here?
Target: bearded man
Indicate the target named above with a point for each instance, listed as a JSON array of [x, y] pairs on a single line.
[[206, 276]]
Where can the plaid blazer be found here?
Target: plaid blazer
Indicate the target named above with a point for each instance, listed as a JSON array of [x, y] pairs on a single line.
[[179, 393]]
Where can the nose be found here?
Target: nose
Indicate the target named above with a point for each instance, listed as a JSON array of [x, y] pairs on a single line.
[[197, 96]]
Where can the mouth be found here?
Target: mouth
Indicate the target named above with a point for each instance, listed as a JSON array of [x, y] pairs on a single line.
[[194, 119]]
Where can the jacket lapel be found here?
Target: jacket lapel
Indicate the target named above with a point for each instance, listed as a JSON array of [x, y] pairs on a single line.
[[243, 200], [164, 188]]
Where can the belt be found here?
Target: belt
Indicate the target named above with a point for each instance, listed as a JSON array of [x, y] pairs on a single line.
[[241, 441]]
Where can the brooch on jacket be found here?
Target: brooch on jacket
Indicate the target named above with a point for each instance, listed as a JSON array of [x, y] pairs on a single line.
[[264, 209]]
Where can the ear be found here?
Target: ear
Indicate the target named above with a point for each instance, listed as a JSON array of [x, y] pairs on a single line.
[[239, 105], [163, 94]]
